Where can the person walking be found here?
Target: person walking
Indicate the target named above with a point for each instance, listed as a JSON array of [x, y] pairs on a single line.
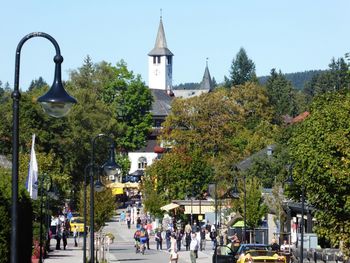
[[167, 239], [193, 248], [64, 237], [173, 249], [178, 237], [75, 235], [203, 238], [188, 240], [128, 220], [159, 239]]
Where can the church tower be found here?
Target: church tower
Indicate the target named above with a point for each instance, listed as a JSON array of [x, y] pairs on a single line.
[[160, 63]]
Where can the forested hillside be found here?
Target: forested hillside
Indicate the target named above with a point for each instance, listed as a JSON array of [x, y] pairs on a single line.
[[298, 79]]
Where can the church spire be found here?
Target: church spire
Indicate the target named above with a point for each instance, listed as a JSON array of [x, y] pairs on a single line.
[[160, 47], [206, 83]]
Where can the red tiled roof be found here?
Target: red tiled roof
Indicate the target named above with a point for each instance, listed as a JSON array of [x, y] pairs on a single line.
[[300, 117]]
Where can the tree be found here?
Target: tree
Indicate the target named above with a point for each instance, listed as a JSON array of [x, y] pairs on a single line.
[[256, 209], [335, 79], [182, 166], [242, 70], [104, 206], [37, 84], [281, 95], [319, 147]]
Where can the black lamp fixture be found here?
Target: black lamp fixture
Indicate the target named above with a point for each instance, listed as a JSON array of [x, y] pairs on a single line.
[[56, 102], [111, 167]]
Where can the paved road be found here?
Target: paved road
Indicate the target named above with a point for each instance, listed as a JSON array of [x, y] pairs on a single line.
[[122, 250]]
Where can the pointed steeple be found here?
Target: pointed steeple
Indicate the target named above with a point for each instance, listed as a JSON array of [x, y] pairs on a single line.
[[206, 83], [160, 47]]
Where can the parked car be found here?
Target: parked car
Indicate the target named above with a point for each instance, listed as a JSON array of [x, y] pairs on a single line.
[[223, 254], [258, 253]]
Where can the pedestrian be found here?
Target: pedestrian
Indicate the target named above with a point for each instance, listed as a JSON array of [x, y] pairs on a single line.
[[193, 248], [122, 217], [274, 245], [213, 238], [173, 249], [75, 235], [178, 237], [64, 237], [188, 240], [203, 238], [58, 237], [159, 239], [128, 220], [167, 238]]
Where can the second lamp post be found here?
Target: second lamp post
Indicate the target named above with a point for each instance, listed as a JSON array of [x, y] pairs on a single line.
[[110, 167]]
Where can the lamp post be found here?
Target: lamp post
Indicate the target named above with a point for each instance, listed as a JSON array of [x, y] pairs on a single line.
[[87, 168], [110, 167], [290, 182], [235, 191], [56, 102]]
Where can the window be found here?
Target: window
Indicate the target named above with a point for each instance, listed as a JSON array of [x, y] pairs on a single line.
[[158, 58], [154, 60], [168, 60], [142, 163]]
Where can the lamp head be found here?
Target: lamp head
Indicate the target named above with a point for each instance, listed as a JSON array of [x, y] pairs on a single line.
[[98, 186], [111, 167], [57, 102]]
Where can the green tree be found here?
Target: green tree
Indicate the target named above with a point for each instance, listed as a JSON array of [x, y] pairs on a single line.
[[281, 95], [104, 206], [319, 147], [242, 70], [256, 209], [37, 83]]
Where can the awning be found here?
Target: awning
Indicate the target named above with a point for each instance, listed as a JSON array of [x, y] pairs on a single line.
[[196, 209], [239, 224], [168, 207]]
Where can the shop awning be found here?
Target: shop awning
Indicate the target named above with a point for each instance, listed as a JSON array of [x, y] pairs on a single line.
[[196, 209], [168, 207]]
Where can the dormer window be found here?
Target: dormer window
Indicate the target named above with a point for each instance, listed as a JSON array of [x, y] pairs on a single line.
[[142, 163]]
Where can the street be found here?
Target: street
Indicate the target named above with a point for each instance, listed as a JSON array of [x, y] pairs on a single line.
[[123, 250]]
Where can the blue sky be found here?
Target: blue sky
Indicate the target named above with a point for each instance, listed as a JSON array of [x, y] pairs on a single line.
[[292, 36]]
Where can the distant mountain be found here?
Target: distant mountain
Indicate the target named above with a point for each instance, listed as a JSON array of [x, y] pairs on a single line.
[[298, 79]]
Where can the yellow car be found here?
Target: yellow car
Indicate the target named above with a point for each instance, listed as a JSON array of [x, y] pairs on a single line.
[[77, 221], [258, 253]]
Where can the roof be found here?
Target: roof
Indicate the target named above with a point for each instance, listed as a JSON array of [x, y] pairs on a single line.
[[246, 163], [300, 117], [161, 102], [206, 83], [160, 47]]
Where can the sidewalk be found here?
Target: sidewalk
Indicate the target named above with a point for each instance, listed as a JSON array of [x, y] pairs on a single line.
[[71, 254]]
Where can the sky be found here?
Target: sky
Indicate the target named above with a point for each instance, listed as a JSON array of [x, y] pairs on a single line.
[[292, 36]]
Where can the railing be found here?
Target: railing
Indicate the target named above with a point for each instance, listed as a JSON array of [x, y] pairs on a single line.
[[326, 255]]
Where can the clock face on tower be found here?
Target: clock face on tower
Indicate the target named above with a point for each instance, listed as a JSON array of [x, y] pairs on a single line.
[[156, 72]]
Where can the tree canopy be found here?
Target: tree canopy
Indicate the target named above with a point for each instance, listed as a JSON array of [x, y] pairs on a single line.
[[319, 147]]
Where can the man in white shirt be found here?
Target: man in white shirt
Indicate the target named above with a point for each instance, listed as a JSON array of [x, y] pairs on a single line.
[[193, 247]]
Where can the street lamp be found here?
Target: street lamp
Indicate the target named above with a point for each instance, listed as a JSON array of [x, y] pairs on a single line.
[[110, 167], [56, 102], [235, 192], [290, 182]]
